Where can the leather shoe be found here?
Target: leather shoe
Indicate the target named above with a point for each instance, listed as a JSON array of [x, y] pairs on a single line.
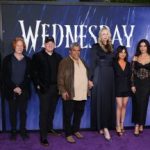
[[44, 142], [70, 139], [79, 135], [53, 132]]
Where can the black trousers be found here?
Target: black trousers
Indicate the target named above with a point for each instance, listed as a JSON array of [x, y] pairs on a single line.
[[140, 105], [18, 104], [75, 109], [48, 102]]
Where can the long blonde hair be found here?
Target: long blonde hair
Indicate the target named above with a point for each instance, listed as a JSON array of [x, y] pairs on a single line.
[[109, 43]]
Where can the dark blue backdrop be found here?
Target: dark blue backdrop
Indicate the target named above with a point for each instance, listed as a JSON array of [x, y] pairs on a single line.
[[69, 23]]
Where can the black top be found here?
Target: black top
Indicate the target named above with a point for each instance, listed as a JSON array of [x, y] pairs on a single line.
[[98, 57], [45, 69], [18, 70], [140, 72], [122, 78]]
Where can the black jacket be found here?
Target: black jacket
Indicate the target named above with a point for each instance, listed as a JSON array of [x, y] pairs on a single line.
[[7, 84], [42, 70], [122, 78]]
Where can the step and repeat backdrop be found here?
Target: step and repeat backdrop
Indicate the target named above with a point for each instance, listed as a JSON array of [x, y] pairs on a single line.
[[67, 24]]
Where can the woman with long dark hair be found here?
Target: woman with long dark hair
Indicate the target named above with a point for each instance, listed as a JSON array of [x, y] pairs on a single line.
[[122, 86], [140, 84]]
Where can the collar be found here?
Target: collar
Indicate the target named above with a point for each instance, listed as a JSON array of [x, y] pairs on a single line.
[[76, 61]]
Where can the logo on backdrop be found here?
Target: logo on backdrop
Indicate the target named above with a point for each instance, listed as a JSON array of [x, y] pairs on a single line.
[[66, 34]]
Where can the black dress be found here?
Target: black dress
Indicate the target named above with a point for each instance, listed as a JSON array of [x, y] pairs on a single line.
[[141, 80], [122, 80], [103, 96]]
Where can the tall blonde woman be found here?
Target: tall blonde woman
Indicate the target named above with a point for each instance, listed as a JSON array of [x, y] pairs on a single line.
[[140, 84], [102, 78]]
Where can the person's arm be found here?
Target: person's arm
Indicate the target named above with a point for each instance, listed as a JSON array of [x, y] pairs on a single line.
[[90, 83], [93, 58], [6, 76], [61, 80], [61, 77], [133, 88], [34, 71]]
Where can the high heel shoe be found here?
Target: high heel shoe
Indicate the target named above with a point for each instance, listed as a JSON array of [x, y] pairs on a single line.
[[119, 131], [136, 130], [101, 131], [107, 135], [122, 128], [141, 128]]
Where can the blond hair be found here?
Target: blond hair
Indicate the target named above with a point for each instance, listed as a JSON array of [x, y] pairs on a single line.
[[109, 39]]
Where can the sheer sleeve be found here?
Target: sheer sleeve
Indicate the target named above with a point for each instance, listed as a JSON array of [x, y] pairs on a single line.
[[133, 71]]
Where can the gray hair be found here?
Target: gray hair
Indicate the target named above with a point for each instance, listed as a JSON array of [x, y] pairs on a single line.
[[75, 44]]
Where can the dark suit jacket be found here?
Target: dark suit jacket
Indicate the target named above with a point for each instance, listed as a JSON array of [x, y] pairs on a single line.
[[122, 78], [41, 70]]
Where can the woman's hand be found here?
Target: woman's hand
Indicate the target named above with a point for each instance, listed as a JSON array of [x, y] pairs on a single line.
[[133, 88]]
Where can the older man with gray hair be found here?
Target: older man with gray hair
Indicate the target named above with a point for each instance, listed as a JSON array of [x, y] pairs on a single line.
[[73, 86]]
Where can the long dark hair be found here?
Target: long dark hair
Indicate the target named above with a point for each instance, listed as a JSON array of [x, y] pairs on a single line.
[[138, 52], [119, 50]]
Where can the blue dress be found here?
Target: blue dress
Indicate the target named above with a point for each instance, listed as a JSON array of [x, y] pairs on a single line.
[[103, 94]]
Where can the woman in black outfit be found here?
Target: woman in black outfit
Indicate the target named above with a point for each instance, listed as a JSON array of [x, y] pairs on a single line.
[[102, 78], [122, 86], [16, 80], [140, 84]]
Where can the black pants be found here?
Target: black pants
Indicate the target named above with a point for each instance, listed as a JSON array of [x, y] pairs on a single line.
[[75, 109], [18, 103], [48, 102], [140, 105]]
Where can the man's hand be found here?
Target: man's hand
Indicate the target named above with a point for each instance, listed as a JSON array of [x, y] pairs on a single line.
[[65, 96], [90, 84], [18, 90]]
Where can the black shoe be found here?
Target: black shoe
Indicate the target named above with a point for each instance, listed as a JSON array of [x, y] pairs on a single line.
[[24, 135], [44, 142], [13, 135], [53, 132]]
